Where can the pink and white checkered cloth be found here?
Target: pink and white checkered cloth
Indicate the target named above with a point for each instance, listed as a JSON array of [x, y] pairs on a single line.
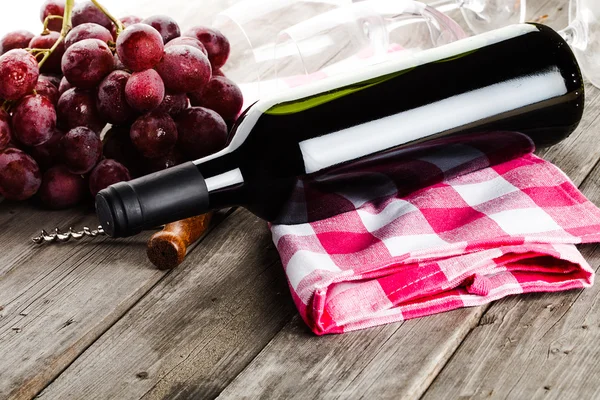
[[464, 241]]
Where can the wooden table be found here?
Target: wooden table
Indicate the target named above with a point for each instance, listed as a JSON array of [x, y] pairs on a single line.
[[94, 320]]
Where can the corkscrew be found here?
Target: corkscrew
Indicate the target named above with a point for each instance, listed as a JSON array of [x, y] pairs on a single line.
[[166, 248], [59, 237]]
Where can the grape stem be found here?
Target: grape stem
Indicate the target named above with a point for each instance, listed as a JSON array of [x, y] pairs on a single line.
[[6, 105], [114, 20], [46, 31], [36, 51], [66, 27]]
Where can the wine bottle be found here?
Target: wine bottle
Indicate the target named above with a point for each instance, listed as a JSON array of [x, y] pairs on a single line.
[[518, 82]]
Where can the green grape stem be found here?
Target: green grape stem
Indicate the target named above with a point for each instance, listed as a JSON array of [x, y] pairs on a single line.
[[114, 20], [36, 51], [46, 31], [7, 105], [66, 27]]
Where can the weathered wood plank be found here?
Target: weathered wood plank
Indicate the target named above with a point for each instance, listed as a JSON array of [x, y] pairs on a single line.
[[533, 346], [19, 222], [354, 361], [405, 376], [57, 300], [575, 155], [538, 345], [391, 361], [211, 357], [197, 329], [553, 13]]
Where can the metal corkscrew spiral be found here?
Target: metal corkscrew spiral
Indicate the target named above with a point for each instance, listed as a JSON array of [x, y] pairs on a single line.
[[58, 237]]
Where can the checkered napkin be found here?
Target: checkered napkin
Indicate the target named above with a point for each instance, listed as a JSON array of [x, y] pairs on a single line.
[[465, 239]]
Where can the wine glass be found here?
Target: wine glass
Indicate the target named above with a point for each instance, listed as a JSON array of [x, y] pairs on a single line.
[[583, 35], [359, 35], [251, 26], [341, 35], [485, 15]]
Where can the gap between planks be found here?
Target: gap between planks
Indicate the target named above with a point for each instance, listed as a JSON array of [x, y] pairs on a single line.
[[209, 318], [51, 284], [589, 184], [210, 361], [182, 389]]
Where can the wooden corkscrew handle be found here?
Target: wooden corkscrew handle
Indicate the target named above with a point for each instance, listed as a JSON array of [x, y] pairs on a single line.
[[167, 248]]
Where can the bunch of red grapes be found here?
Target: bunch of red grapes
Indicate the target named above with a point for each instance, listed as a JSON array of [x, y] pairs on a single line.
[[107, 107]]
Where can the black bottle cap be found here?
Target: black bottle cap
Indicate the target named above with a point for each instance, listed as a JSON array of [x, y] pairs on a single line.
[[126, 208]]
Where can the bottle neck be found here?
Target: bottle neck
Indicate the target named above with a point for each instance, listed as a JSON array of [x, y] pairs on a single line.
[[224, 179]]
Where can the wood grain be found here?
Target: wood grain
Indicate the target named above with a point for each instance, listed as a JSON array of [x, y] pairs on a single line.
[[223, 322], [532, 346], [396, 361], [58, 299], [197, 329], [20, 222], [573, 155], [405, 376], [539, 345], [281, 371]]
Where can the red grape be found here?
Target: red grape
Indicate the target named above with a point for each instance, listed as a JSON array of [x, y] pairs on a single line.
[[47, 154], [87, 62], [154, 134], [118, 146], [188, 41], [145, 90], [87, 31], [140, 47], [52, 64], [61, 188], [53, 7], [19, 73], [5, 131], [15, 40], [81, 150], [166, 26], [45, 88], [221, 95], [52, 78], [173, 158], [118, 63], [20, 176], [88, 12], [34, 120], [63, 86], [173, 103], [130, 20], [111, 100], [126, 21], [215, 42], [106, 173], [142, 82], [201, 132], [184, 69], [77, 107]]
